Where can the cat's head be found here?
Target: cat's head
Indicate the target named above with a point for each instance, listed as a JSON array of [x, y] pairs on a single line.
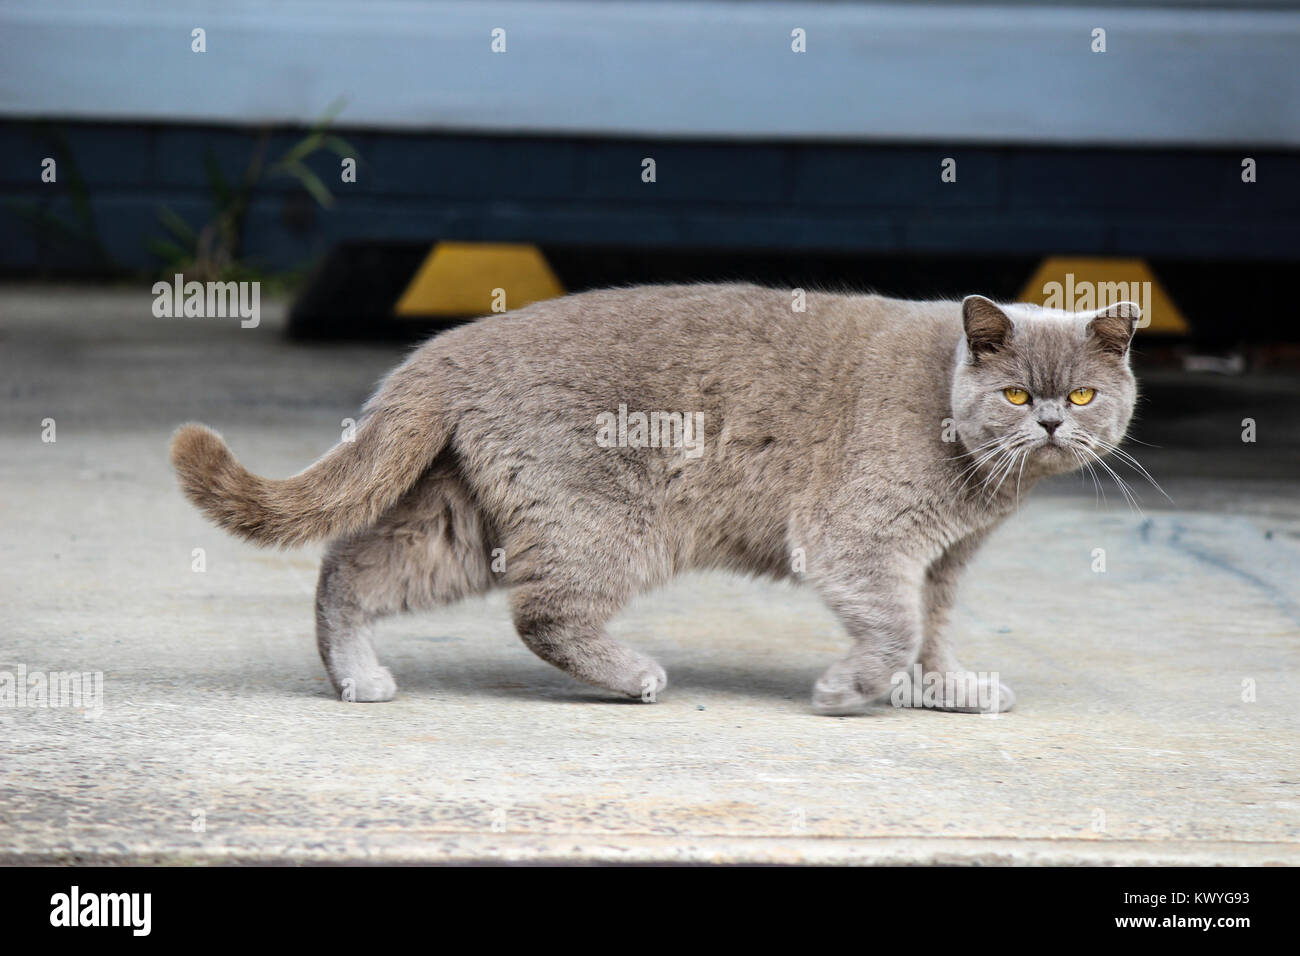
[[1052, 387]]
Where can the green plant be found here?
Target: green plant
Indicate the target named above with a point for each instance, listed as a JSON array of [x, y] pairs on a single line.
[[215, 249], [78, 231]]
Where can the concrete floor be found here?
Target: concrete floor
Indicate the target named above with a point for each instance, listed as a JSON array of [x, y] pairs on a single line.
[[220, 741]]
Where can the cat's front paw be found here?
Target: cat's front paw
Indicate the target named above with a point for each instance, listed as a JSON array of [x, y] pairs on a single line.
[[834, 698], [648, 683], [626, 672], [1001, 700], [371, 687], [958, 693]]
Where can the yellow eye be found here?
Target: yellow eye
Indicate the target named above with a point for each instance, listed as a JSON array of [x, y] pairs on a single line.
[[1016, 396], [1081, 396]]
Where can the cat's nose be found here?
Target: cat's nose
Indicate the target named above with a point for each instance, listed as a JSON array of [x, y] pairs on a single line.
[[1050, 424]]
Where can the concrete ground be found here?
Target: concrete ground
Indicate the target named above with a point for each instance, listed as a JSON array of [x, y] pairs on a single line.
[[1156, 721]]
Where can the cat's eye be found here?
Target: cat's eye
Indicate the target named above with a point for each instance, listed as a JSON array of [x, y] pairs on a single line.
[[1016, 396], [1081, 396]]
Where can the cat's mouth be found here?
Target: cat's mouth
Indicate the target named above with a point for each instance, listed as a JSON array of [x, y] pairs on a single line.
[[1053, 448], [1055, 441], [1053, 454]]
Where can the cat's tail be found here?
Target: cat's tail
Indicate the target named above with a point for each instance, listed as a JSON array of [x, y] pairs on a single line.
[[344, 492]]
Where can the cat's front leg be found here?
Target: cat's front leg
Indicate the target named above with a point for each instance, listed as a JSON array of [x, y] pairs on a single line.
[[882, 611], [945, 683]]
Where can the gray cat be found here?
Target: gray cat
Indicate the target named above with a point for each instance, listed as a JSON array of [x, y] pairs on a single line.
[[584, 449]]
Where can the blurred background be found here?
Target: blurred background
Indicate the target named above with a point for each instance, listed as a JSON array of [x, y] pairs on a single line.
[[915, 149]]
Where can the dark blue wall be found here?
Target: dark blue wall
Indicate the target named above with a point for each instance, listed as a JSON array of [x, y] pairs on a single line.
[[867, 199]]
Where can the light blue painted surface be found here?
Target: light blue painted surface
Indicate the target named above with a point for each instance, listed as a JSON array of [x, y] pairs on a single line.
[[1172, 75]]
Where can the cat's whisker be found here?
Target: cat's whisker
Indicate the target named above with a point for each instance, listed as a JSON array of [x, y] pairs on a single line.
[[1099, 495], [1004, 465], [1020, 476], [995, 466], [973, 469], [984, 474], [1129, 460], [1090, 440], [972, 451], [992, 470], [970, 475], [980, 450], [1138, 441], [1018, 452], [1137, 466], [1002, 468], [1123, 485]]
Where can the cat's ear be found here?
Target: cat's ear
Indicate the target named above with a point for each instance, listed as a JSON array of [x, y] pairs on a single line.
[[988, 329], [1111, 329]]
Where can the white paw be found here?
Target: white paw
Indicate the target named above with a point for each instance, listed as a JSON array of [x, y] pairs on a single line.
[[834, 699], [651, 681], [993, 698], [371, 687], [965, 695]]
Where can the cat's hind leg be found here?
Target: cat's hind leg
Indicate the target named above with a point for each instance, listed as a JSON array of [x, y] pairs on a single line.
[[344, 623], [429, 549], [564, 624]]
